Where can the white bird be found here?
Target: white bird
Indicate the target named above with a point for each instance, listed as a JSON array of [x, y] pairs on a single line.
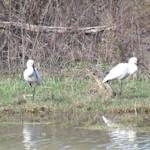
[[121, 137], [29, 136], [122, 70], [109, 123], [31, 75]]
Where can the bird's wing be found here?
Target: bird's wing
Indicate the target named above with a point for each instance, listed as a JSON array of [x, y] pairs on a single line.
[[117, 71], [31, 74], [37, 74]]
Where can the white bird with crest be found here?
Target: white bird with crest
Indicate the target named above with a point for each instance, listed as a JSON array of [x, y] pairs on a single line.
[[31, 75], [122, 70]]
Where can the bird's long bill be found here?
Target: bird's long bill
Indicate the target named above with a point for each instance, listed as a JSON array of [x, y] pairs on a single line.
[[35, 72], [33, 67]]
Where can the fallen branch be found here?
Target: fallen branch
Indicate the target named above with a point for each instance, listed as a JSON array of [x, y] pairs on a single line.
[[104, 90], [47, 29], [99, 82]]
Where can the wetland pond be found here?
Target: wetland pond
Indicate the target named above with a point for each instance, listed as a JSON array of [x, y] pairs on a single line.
[[47, 137]]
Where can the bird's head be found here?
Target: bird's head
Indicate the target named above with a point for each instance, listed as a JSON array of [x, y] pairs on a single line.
[[133, 60], [30, 63]]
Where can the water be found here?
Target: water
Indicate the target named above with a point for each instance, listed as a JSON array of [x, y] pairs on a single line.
[[46, 137]]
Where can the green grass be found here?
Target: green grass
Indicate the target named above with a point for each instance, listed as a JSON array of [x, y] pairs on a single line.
[[66, 91], [73, 95]]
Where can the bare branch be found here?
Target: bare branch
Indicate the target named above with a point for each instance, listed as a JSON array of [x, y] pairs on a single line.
[[47, 29]]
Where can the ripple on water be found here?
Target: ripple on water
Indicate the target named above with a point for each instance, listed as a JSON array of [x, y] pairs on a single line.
[[44, 137]]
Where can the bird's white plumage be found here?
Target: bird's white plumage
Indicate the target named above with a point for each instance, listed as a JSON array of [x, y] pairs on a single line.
[[119, 72], [31, 73], [132, 60], [122, 70]]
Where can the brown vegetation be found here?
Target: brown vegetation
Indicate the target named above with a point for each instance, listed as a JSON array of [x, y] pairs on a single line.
[[56, 32]]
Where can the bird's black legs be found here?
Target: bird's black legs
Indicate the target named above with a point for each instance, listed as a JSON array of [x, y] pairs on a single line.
[[113, 91], [120, 92], [33, 92], [30, 84]]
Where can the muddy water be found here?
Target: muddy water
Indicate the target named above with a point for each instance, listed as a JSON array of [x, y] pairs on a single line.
[[45, 137]]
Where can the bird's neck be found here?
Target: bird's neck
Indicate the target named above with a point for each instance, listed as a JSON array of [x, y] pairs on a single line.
[[132, 68], [132, 65], [30, 68]]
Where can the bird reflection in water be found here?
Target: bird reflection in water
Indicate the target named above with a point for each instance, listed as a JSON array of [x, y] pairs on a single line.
[[121, 137], [28, 138]]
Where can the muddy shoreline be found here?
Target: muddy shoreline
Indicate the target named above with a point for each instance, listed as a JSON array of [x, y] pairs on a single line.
[[70, 117]]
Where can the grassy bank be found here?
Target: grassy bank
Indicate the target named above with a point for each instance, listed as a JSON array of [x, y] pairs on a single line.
[[71, 97]]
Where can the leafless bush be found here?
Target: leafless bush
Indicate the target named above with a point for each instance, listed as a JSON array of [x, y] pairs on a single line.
[[56, 32]]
